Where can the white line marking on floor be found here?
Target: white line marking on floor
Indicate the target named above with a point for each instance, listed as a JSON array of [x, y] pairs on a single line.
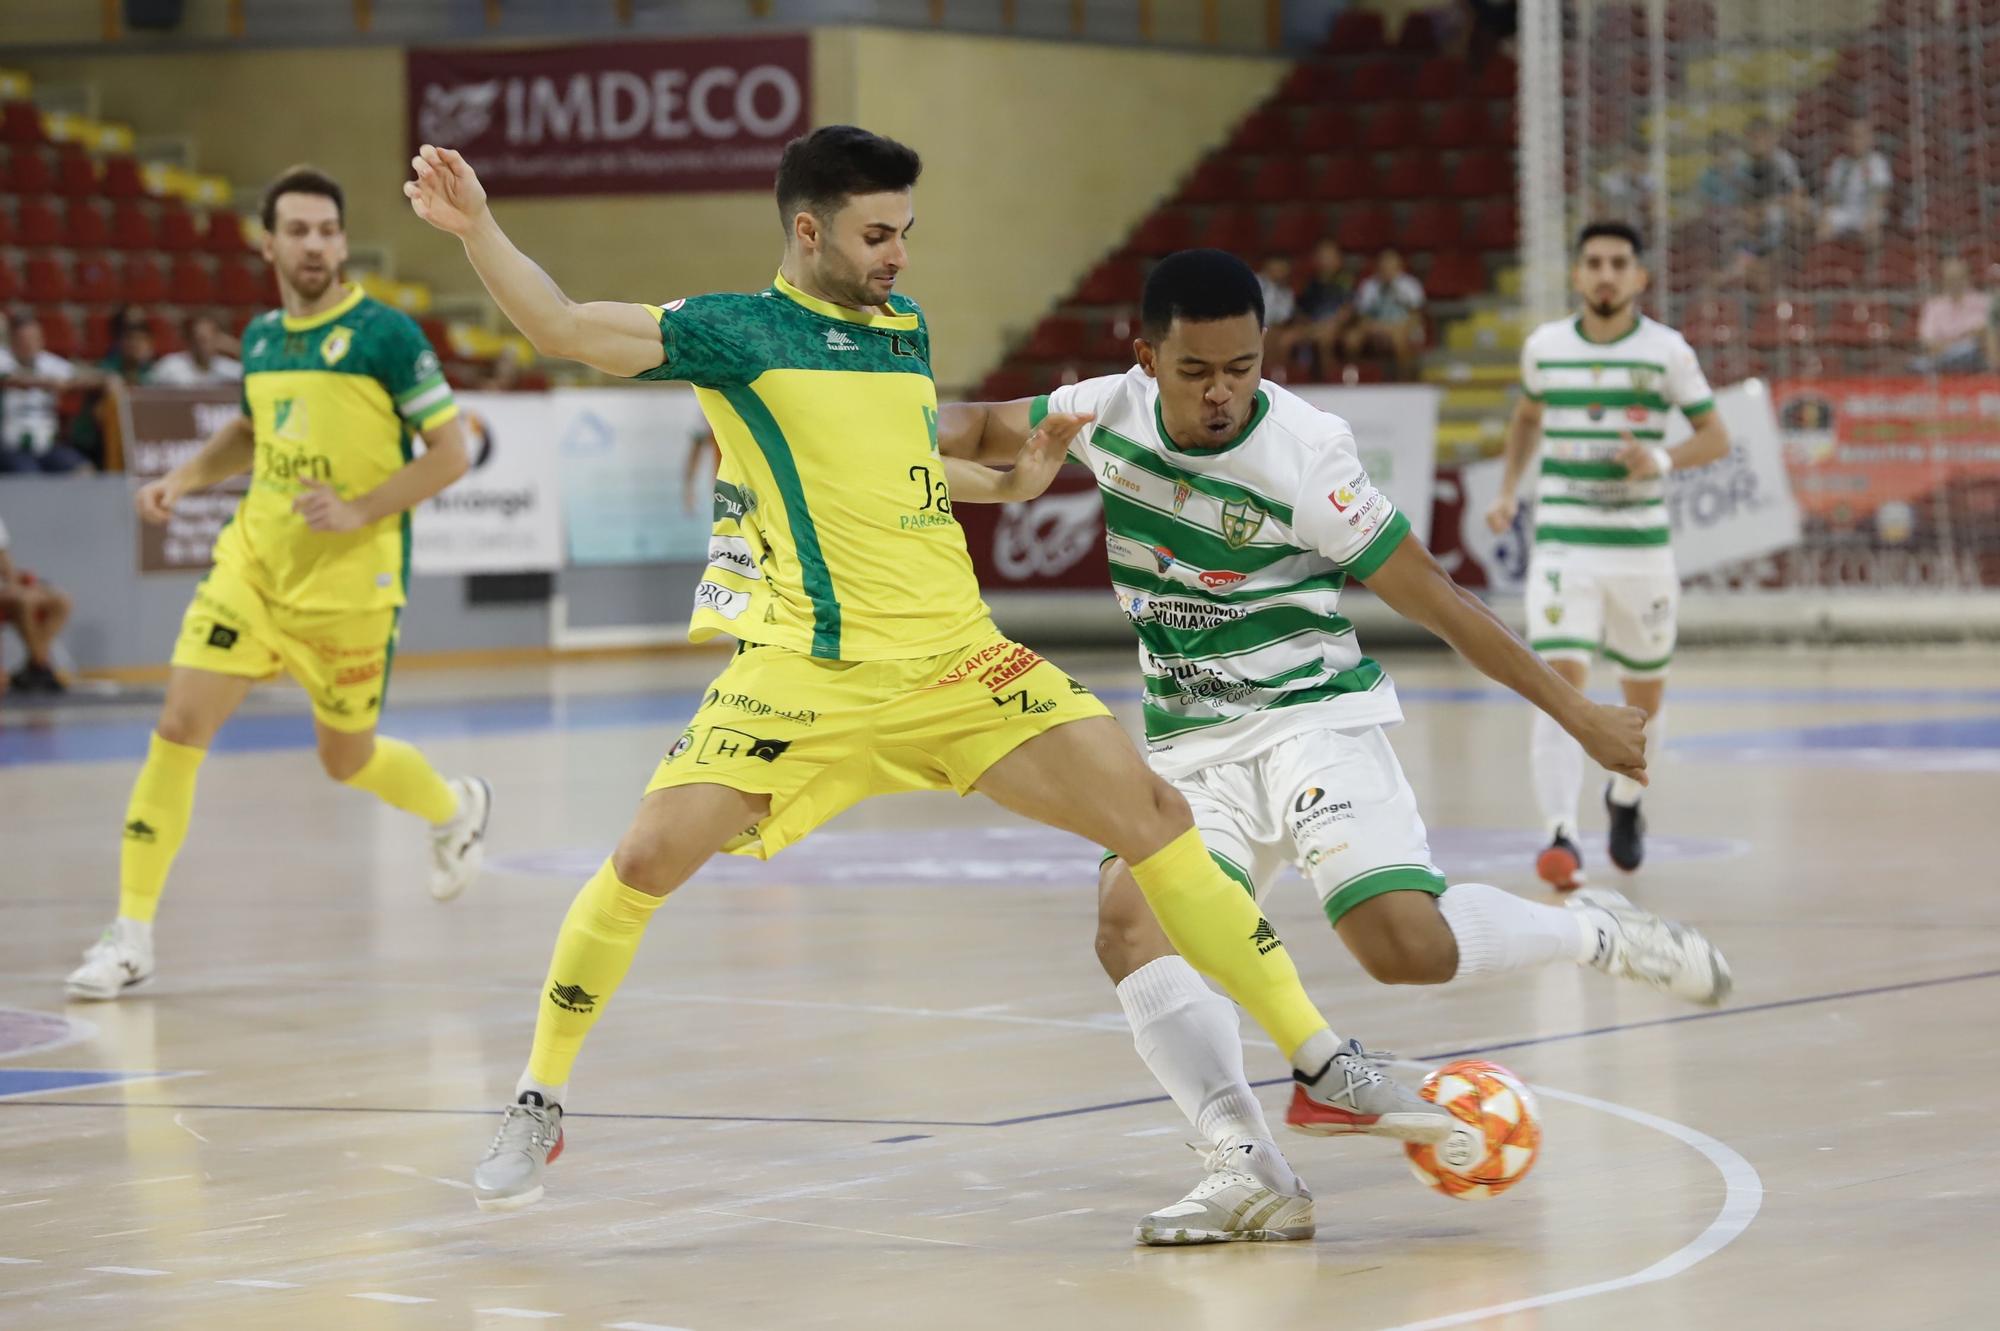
[[15, 1206], [1152, 1132], [391, 1298], [260, 1284], [122, 1233], [189, 1131], [525, 1314], [233, 1229], [1056, 1215], [129, 1270], [20, 1261], [844, 1229], [1743, 1195], [641, 1326], [148, 1182], [408, 1172]]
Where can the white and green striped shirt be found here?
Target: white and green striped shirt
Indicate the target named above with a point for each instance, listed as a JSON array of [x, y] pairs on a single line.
[[1591, 394], [1230, 561]]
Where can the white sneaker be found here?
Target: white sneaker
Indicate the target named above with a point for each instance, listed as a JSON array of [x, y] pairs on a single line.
[[1639, 945], [121, 959], [1250, 1195], [458, 847], [509, 1176]]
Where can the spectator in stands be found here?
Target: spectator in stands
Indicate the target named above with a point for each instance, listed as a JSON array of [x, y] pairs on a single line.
[[1956, 327], [1486, 28], [38, 612], [1389, 315], [1856, 202], [31, 379], [1772, 199], [1719, 190], [1625, 189], [1326, 306], [1281, 313], [132, 348], [205, 363]]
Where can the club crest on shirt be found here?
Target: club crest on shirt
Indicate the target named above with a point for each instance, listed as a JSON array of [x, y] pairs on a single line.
[[1240, 522], [1182, 493], [336, 344]]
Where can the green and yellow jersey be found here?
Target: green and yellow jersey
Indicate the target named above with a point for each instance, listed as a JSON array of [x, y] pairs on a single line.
[[834, 534], [334, 399]]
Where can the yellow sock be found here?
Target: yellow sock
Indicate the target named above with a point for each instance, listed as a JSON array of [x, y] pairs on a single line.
[[156, 822], [1214, 924], [399, 775], [599, 938]]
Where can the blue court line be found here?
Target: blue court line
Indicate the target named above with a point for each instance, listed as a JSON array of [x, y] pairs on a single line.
[[32, 739], [34, 1081], [1969, 732], [1717, 1014]]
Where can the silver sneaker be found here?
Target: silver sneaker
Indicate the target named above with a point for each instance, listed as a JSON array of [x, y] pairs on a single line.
[[121, 959], [1351, 1096], [458, 847], [1249, 1195], [1639, 945], [510, 1176]]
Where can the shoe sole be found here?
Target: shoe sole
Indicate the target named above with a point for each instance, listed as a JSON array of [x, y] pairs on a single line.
[[1559, 869], [1190, 1238], [1421, 1129], [95, 996], [475, 859], [514, 1203]]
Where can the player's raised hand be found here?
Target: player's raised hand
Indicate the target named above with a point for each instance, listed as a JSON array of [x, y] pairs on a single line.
[[1500, 516], [1641, 461], [155, 502], [324, 510], [1044, 453], [1615, 739], [446, 192]]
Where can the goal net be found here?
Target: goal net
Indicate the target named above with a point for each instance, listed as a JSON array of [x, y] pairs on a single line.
[[1819, 184]]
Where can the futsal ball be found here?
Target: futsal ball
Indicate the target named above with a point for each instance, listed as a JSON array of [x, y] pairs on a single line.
[[1504, 1137]]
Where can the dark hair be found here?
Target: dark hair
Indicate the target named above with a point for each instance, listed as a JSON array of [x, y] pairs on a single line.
[[302, 180], [1199, 286], [820, 170], [1624, 231]]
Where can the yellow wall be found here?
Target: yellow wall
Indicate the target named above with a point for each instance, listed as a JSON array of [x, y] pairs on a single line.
[[1038, 156]]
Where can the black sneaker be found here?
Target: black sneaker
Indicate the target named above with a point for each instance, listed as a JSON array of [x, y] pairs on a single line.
[[32, 678], [1628, 833]]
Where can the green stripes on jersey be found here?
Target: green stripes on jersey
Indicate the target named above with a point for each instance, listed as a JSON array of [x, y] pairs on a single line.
[[814, 577], [1627, 536], [1163, 723], [1110, 441]]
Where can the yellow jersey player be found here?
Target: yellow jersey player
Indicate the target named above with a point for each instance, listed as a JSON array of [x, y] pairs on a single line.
[[866, 663], [309, 575]]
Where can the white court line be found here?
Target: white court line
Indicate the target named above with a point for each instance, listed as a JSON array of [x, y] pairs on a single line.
[[189, 1131], [15, 1206], [525, 1314], [844, 1229], [260, 1284], [407, 1172], [20, 1261], [641, 1326], [1056, 1215], [1153, 1132], [129, 1270], [79, 1031], [391, 1298], [1743, 1194]]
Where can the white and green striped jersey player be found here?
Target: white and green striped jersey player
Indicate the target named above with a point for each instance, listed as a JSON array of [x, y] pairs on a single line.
[[1229, 562], [1592, 395]]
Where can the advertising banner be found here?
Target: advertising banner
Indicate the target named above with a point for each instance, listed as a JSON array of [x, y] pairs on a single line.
[[165, 427], [505, 514]]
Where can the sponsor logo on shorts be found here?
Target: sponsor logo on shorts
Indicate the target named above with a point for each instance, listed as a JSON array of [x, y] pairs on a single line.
[[222, 637], [754, 706], [1658, 614], [1078, 689], [1027, 705], [726, 744], [995, 665], [1553, 613], [349, 676], [572, 997], [1317, 853], [1265, 937], [1312, 808], [681, 745]]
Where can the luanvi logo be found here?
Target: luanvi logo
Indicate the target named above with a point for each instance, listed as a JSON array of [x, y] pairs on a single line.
[[1265, 937], [222, 637], [141, 830], [572, 997]]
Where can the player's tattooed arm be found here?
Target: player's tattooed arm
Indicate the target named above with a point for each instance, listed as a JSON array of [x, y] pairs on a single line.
[[613, 336]]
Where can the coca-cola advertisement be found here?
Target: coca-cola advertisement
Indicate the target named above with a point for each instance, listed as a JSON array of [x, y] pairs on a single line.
[[1054, 541], [654, 117]]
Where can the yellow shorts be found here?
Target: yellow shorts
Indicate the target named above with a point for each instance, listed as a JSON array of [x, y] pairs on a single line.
[[340, 657], [820, 736]]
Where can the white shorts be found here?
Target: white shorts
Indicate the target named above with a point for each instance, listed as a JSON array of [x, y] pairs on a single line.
[[1576, 611], [1333, 802]]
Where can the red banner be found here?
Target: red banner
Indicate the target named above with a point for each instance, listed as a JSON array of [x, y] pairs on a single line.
[[615, 118], [1053, 542]]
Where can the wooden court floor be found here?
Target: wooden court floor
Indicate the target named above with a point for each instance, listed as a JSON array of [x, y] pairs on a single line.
[[880, 1082]]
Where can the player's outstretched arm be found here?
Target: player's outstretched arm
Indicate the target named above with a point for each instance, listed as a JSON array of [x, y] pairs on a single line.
[[1416, 587], [613, 336], [1036, 463], [1522, 431], [230, 451], [445, 459]]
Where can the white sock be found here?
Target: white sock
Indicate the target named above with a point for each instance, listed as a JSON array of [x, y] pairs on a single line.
[[1498, 932], [1188, 1036], [551, 1095], [136, 931], [1557, 763], [1624, 790]]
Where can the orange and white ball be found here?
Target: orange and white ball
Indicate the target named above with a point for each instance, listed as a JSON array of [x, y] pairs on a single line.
[[1500, 1109]]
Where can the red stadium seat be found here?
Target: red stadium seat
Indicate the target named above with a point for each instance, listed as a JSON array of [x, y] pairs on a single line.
[[1419, 35], [96, 279], [1395, 126], [1498, 78], [166, 335], [248, 281], [76, 173], [1432, 226], [1233, 229], [21, 123], [122, 178], [1482, 175], [224, 233], [1266, 130], [10, 280], [47, 280], [1056, 338], [1412, 175], [1008, 383], [1296, 228], [1116, 281], [191, 283], [1345, 176], [6, 227], [145, 284], [1329, 129], [96, 337], [1458, 125], [28, 172], [60, 335], [1502, 126], [178, 231], [87, 228], [1356, 32], [1497, 228], [1896, 265], [1379, 80], [131, 229], [1365, 229], [1833, 266], [1278, 179], [1455, 276], [1311, 82], [1441, 78], [38, 224], [1857, 323], [1163, 232]]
